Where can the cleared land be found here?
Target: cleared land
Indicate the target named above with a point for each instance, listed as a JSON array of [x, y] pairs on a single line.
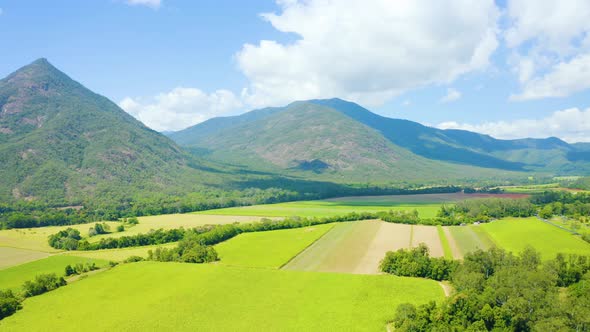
[[14, 277], [14, 256], [514, 234], [268, 249], [427, 205], [358, 247], [469, 238], [455, 251], [428, 235], [191, 297], [444, 241]]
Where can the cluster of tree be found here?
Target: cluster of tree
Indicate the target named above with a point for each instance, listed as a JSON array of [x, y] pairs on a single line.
[[416, 262], [9, 303], [498, 291], [400, 217], [80, 268], [42, 283], [189, 250], [99, 228], [67, 239], [152, 237], [483, 190], [484, 210]]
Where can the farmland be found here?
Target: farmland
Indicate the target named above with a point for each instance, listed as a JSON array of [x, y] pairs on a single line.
[[14, 277], [13, 256], [268, 249], [514, 234], [427, 205], [213, 297], [118, 255]]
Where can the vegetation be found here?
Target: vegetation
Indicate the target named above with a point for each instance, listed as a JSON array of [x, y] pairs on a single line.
[[416, 262], [80, 268], [188, 297], [496, 290], [9, 303], [42, 283]]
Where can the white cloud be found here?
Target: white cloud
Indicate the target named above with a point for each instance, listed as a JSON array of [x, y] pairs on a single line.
[[452, 95], [180, 108], [572, 125], [367, 51], [563, 80], [155, 4], [550, 40]]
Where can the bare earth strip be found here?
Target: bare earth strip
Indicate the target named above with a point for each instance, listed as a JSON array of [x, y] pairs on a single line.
[[429, 236], [13, 256], [453, 244], [389, 237]]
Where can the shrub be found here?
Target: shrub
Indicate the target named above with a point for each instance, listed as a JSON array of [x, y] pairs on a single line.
[[43, 283], [9, 303]]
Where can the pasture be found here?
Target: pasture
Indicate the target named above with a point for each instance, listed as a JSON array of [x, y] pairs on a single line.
[[514, 234], [468, 238], [14, 277], [14, 256], [191, 297], [119, 254], [270, 249]]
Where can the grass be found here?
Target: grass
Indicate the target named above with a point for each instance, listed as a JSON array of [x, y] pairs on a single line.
[[14, 256], [514, 234], [445, 243], [14, 277], [268, 249], [189, 297], [470, 238]]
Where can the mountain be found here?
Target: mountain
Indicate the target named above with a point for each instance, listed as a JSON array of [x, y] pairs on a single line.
[[60, 142], [329, 137]]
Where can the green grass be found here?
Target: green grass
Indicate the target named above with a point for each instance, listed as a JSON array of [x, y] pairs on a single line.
[[514, 234], [189, 297], [268, 249], [324, 208], [118, 254], [445, 242], [14, 277], [470, 238]]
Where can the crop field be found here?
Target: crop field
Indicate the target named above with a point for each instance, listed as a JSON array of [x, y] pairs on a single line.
[[14, 277], [428, 235], [120, 254], [468, 238], [514, 234], [358, 247], [268, 249], [427, 205], [14, 256], [191, 297]]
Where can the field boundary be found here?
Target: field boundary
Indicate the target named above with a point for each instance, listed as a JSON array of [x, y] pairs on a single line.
[[444, 242]]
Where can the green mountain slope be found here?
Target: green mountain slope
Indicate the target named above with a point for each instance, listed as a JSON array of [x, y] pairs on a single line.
[[458, 147], [61, 142], [313, 141]]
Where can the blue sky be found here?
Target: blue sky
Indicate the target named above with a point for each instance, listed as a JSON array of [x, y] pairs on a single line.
[[510, 68]]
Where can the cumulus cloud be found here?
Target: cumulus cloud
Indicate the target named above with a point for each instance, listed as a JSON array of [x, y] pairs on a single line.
[[571, 125], [550, 40], [452, 95], [367, 51], [180, 107], [155, 4]]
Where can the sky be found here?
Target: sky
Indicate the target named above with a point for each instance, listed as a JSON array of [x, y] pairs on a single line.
[[510, 68]]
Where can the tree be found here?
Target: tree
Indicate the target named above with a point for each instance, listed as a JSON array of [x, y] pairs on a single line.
[[9, 303]]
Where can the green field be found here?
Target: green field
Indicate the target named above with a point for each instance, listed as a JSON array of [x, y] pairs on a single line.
[[268, 249], [118, 255], [324, 208], [190, 297], [14, 277], [470, 238], [514, 234], [444, 242]]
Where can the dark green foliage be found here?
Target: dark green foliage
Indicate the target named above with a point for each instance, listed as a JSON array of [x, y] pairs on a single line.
[[191, 249], [133, 259], [80, 268], [484, 210], [416, 262], [9, 303], [67, 239], [499, 291], [120, 228], [43, 283], [99, 228]]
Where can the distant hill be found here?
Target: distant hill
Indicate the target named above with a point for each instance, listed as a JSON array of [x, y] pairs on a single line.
[[61, 142], [290, 139]]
